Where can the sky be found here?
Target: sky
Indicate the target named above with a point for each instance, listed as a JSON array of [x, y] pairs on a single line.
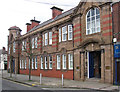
[[20, 12]]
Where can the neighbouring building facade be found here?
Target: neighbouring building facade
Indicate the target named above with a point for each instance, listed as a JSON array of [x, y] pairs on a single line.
[[77, 43], [3, 59]]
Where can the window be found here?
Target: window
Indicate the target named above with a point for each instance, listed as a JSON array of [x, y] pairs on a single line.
[[70, 32], [32, 63], [70, 59], [23, 45], [50, 37], [50, 62], [64, 61], [20, 64], [60, 35], [29, 63], [41, 62], [43, 40], [32, 42], [45, 62], [93, 21], [25, 63], [9, 49], [46, 38], [35, 42], [58, 61], [14, 47], [36, 62], [64, 33]]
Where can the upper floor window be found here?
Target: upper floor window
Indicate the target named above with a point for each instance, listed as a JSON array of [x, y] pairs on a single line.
[[43, 39], [46, 38], [32, 42], [50, 37], [23, 45], [93, 21], [64, 33], [14, 47], [59, 34], [35, 42], [70, 32]]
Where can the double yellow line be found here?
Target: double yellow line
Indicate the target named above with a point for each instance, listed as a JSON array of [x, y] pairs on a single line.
[[19, 83]]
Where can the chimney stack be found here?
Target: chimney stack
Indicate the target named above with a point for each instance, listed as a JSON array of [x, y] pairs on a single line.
[[56, 11], [28, 26], [34, 23]]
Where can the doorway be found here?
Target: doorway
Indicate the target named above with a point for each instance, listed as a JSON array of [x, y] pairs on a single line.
[[94, 64]]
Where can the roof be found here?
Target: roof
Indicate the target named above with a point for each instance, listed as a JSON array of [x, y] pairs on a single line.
[[52, 20], [14, 28]]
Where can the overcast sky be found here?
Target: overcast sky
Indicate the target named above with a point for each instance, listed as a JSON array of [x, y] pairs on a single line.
[[20, 12]]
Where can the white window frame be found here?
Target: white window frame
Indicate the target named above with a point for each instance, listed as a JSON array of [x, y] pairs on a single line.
[[64, 33], [33, 43], [36, 62], [46, 39], [9, 49], [25, 63], [13, 46], [58, 62], [36, 42], [50, 62], [64, 61], [70, 60], [43, 39], [23, 45], [70, 32], [92, 23], [32, 63], [50, 38], [20, 64], [41, 62], [46, 63], [59, 34]]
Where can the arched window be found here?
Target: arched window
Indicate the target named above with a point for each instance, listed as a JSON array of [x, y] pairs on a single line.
[[93, 21]]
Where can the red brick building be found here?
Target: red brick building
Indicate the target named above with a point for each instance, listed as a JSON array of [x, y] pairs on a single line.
[[76, 43]]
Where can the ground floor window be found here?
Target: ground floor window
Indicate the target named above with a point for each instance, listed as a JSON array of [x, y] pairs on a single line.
[[70, 60], [46, 64], [36, 62], [58, 61], [64, 61], [50, 62], [41, 62]]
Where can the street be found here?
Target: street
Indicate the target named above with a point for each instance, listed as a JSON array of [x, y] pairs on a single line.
[[10, 86]]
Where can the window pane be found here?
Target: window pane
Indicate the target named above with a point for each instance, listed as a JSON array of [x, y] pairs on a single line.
[[64, 33], [69, 32], [98, 16], [88, 14], [93, 18], [92, 12], [46, 38], [97, 11], [88, 19]]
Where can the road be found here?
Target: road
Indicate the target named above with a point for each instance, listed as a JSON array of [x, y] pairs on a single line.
[[10, 86]]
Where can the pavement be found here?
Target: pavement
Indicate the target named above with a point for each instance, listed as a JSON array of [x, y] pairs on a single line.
[[57, 82]]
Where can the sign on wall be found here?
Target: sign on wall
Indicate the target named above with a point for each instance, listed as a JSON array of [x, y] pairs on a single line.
[[117, 50]]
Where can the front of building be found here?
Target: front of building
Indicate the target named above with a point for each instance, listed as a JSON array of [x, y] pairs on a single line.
[[76, 43]]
